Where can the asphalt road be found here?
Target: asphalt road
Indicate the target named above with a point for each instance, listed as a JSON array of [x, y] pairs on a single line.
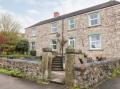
[[8, 82], [110, 84]]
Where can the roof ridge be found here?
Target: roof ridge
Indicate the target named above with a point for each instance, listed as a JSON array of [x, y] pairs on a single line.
[[89, 9]]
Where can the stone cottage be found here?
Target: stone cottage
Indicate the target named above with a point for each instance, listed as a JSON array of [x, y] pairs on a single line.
[[94, 30]]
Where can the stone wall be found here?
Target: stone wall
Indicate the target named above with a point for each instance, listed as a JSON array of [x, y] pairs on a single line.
[[89, 75], [32, 70]]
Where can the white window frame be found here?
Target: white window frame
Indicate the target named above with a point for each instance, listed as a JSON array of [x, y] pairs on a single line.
[[69, 41], [53, 27], [69, 23], [90, 42], [34, 33], [98, 18], [51, 44]]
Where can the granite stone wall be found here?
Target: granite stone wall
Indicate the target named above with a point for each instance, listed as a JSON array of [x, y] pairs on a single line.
[[32, 70], [91, 74]]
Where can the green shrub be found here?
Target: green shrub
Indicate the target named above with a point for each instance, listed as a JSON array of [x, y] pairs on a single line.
[[33, 53]]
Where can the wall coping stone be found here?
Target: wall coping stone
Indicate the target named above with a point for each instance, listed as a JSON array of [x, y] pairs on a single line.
[[96, 63], [19, 60], [70, 50]]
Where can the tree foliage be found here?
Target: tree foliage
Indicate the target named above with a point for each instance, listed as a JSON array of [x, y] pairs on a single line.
[[8, 24], [9, 29], [22, 46]]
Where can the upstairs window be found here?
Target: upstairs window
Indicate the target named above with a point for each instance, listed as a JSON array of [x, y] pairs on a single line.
[[33, 45], [34, 33], [94, 19], [71, 24], [95, 41], [54, 27], [71, 42], [54, 44]]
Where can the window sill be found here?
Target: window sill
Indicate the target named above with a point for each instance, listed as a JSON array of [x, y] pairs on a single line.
[[54, 50], [94, 26], [53, 33], [33, 36], [95, 50], [71, 30]]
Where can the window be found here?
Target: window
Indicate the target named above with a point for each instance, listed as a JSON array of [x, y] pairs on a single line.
[[33, 33], [71, 42], [33, 45], [71, 23], [94, 19], [95, 41], [54, 27], [54, 44]]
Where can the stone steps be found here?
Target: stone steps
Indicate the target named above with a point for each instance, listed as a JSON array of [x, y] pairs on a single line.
[[57, 64]]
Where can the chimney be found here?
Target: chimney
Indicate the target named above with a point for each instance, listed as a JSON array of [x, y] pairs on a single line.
[[56, 14]]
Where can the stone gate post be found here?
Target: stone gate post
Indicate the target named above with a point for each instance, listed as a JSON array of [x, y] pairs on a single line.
[[46, 63], [69, 67]]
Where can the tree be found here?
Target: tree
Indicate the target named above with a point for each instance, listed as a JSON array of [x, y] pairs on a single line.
[[9, 28], [62, 43], [3, 39], [8, 24], [22, 46]]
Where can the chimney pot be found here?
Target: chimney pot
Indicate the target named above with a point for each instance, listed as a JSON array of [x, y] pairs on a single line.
[[56, 14]]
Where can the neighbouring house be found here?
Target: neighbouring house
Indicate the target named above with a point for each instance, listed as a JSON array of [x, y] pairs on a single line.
[[94, 30]]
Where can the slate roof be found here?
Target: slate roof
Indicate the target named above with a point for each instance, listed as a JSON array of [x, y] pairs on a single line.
[[97, 7]]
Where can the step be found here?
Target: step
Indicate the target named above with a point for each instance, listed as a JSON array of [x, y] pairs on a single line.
[[57, 69], [56, 60], [57, 65]]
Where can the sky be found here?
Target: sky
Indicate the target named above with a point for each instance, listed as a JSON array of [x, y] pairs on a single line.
[[29, 12]]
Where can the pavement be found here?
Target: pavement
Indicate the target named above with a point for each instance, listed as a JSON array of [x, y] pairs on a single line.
[[110, 84], [8, 82], [58, 77]]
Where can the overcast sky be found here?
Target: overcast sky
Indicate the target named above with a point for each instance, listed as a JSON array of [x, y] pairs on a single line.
[[28, 12]]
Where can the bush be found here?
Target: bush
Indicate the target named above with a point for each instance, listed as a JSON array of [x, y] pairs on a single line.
[[22, 46], [33, 53]]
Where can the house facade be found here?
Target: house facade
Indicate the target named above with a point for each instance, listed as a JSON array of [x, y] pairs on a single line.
[[94, 30]]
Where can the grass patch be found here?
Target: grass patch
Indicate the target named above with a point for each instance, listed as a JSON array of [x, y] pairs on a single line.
[[14, 73], [19, 74], [115, 73], [76, 87], [16, 56]]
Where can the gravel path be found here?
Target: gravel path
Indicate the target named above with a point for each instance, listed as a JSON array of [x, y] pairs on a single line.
[[8, 82], [110, 84]]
